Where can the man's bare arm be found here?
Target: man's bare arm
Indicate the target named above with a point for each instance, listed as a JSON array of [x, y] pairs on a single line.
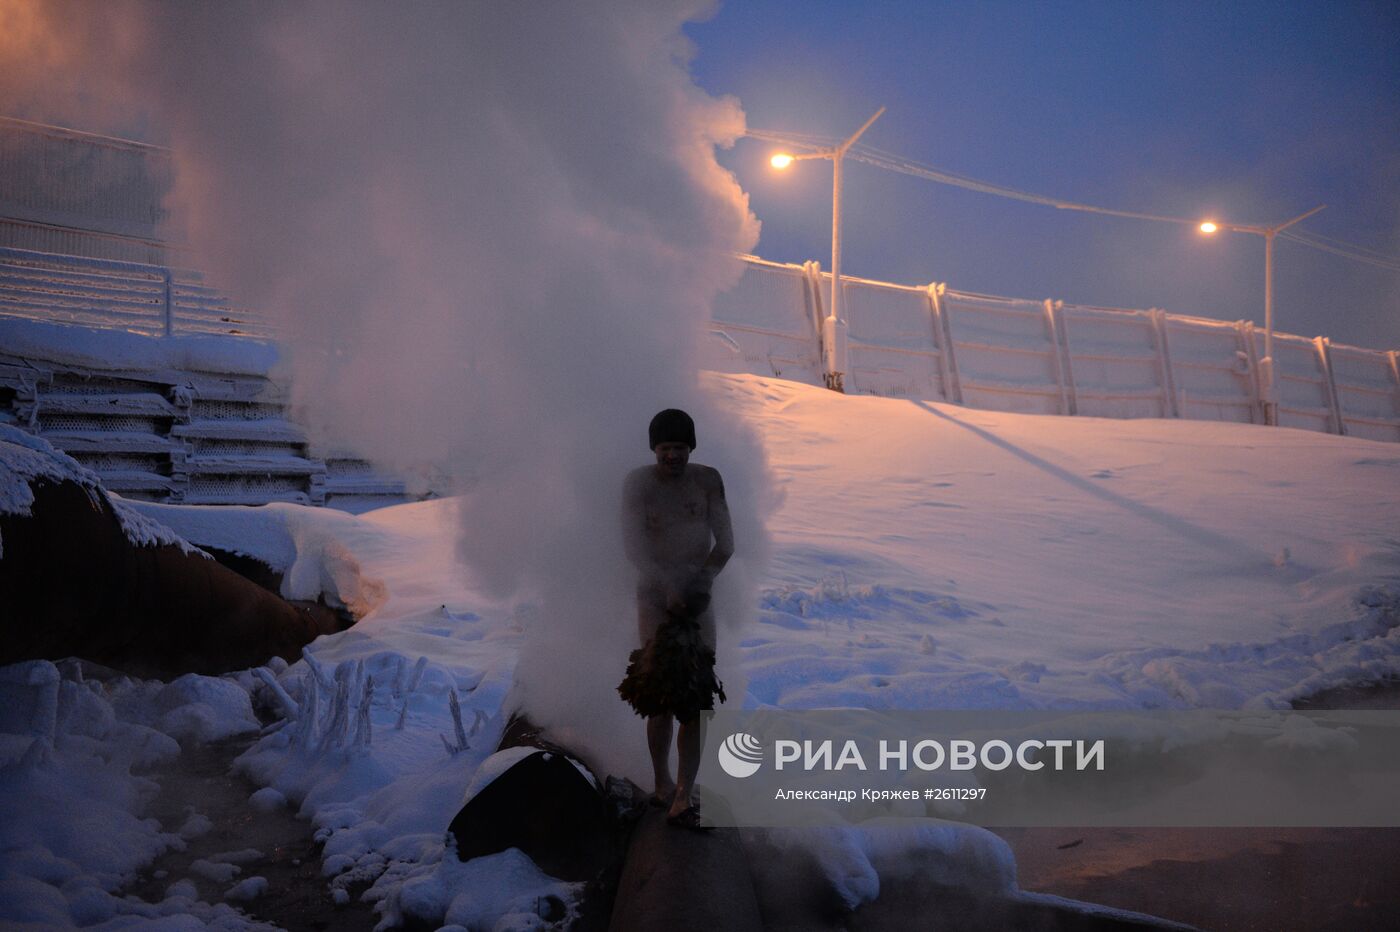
[[720, 527]]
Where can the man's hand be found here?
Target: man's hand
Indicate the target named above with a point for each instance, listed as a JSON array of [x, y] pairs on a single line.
[[690, 599]]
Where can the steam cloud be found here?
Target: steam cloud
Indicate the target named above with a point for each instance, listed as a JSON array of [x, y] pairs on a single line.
[[492, 233]]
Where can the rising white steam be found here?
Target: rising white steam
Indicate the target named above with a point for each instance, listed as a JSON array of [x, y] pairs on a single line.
[[493, 232]]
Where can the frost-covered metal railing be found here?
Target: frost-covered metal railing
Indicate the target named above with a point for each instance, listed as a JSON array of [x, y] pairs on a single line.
[[930, 342], [150, 299], [1047, 357]]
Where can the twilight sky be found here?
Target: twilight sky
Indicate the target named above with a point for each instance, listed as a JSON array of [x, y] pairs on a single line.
[[1249, 111]]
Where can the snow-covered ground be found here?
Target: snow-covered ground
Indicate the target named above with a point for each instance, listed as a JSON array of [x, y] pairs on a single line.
[[925, 556], [932, 556]]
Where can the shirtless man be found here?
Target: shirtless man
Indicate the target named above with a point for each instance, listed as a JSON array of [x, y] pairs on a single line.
[[672, 512]]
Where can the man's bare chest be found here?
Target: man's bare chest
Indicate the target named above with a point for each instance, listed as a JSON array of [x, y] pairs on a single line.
[[669, 507]]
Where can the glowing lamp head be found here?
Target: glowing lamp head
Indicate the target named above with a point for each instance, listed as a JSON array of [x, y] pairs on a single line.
[[1208, 227], [781, 160]]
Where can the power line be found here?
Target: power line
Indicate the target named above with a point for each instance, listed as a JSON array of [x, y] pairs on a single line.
[[892, 162], [1340, 243], [1380, 262], [895, 163]]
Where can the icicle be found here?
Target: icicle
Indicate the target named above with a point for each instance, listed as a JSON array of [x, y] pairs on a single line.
[[456, 708], [321, 676], [306, 735], [340, 713], [363, 735], [417, 673], [289, 705], [396, 688]]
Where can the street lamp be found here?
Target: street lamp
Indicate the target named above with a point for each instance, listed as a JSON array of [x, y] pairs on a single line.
[[834, 327], [1269, 380]]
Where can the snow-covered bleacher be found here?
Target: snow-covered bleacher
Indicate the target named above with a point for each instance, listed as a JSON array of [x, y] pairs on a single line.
[[192, 418]]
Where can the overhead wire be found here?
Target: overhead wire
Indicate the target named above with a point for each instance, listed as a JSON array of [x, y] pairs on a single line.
[[892, 162]]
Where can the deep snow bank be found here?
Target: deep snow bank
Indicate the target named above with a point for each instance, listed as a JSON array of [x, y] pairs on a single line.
[[932, 556]]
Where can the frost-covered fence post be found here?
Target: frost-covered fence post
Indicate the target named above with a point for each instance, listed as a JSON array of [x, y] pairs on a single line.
[[1059, 352], [1171, 402], [943, 337], [812, 291], [1249, 356], [1324, 362]]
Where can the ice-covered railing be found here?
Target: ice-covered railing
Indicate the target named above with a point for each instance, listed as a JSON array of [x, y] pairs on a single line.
[[930, 342], [1046, 357], [149, 299]]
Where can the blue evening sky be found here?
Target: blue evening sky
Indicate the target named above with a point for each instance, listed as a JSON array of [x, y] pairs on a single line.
[[1248, 111]]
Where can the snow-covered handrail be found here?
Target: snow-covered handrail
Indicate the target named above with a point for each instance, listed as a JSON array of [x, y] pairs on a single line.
[[118, 294]]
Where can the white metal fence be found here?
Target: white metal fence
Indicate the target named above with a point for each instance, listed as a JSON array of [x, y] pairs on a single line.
[[1048, 357]]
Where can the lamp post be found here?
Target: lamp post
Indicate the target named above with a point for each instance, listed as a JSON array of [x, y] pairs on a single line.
[[1269, 382], [834, 326]]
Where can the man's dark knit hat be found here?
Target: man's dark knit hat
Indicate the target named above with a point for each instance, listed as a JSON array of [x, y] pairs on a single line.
[[672, 426]]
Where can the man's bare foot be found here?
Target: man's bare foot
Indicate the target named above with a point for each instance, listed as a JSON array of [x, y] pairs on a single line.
[[689, 817], [664, 796]]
